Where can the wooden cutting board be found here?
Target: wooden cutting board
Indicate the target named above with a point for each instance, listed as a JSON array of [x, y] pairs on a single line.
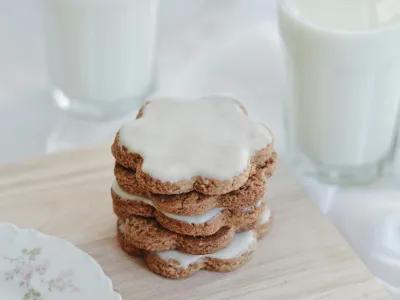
[[303, 257]]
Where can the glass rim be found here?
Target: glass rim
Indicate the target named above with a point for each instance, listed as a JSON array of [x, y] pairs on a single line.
[[286, 8]]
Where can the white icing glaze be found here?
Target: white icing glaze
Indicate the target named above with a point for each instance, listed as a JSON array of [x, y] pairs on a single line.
[[250, 208], [265, 216], [240, 244], [199, 219], [124, 195], [210, 137], [184, 259]]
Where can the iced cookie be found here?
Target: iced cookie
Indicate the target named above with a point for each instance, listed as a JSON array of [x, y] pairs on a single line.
[[208, 145], [207, 223], [192, 203], [149, 235], [175, 264], [197, 203]]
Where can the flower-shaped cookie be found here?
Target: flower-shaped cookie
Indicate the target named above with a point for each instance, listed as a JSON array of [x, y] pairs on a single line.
[[208, 145], [177, 264]]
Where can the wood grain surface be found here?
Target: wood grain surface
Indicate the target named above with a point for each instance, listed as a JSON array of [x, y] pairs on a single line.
[[303, 257]]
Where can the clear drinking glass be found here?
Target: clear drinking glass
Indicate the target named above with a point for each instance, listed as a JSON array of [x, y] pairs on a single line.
[[343, 67], [101, 54]]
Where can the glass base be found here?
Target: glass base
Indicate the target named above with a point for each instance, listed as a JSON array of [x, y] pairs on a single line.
[[343, 176], [99, 110], [348, 176]]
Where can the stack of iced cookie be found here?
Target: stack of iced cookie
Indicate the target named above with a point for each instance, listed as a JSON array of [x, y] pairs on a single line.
[[190, 183]]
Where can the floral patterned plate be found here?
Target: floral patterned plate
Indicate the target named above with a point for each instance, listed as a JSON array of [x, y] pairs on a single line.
[[34, 266]]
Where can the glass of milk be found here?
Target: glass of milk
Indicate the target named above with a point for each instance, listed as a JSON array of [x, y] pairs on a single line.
[[343, 67], [101, 54]]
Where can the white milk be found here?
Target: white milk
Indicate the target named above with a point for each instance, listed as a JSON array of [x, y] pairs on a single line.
[[100, 52], [343, 59]]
